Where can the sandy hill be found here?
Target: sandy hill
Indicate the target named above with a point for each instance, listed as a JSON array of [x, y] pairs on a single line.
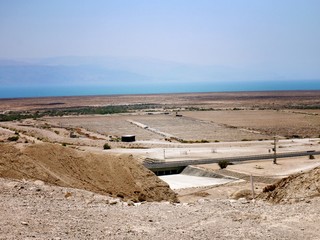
[[294, 188], [114, 175]]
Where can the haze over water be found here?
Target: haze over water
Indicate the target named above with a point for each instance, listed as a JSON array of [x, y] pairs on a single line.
[[62, 48], [17, 92]]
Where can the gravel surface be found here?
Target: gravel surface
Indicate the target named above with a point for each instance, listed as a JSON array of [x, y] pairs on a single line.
[[34, 210]]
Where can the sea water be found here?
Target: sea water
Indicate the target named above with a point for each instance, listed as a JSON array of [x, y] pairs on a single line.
[[154, 88]]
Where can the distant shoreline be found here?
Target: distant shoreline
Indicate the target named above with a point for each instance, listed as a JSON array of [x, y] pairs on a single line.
[[300, 99], [124, 88], [156, 94]]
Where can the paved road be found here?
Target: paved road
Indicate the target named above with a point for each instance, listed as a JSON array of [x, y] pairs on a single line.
[[176, 164]]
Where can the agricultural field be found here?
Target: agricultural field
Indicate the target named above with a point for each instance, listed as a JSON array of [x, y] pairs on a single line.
[[184, 128], [115, 125], [289, 124], [211, 126]]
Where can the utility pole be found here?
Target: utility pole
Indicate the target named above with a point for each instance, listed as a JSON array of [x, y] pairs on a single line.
[[275, 150]]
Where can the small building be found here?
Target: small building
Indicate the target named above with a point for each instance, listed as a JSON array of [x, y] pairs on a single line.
[[128, 138]]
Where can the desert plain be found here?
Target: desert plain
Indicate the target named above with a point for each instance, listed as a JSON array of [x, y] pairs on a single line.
[[66, 174]]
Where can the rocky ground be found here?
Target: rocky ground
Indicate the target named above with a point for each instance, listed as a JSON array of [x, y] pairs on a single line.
[[34, 210]]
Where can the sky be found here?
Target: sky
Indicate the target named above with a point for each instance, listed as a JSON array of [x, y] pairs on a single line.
[[272, 37]]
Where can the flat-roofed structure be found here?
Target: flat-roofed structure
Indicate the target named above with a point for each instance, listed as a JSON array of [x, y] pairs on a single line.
[[128, 138]]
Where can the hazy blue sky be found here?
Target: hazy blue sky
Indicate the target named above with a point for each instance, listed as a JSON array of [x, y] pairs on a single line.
[[205, 31], [271, 36]]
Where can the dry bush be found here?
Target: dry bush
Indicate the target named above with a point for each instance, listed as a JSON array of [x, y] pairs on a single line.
[[243, 193]]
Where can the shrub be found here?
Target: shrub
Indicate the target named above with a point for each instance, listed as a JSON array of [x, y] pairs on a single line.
[[106, 146], [223, 164], [13, 138], [311, 157], [269, 188], [115, 139], [295, 136], [64, 144]]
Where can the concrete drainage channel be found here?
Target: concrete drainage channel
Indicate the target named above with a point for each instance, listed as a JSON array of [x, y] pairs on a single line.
[[178, 174], [192, 176], [168, 171]]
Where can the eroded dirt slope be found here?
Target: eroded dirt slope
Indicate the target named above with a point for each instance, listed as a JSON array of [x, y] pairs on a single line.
[[115, 175], [294, 188]]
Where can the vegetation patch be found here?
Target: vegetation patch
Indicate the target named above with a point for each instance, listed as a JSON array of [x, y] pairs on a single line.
[[13, 138], [106, 146], [311, 157], [223, 164], [193, 141], [81, 110]]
